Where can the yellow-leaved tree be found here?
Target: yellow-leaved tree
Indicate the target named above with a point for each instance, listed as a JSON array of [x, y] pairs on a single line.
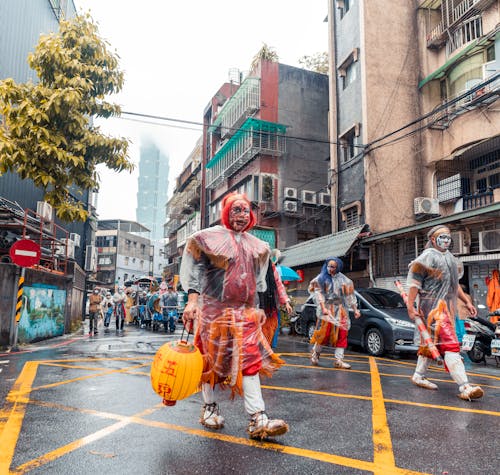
[[47, 133]]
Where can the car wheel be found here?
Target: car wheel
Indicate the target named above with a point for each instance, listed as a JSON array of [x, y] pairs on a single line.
[[374, 342], [311, 327]]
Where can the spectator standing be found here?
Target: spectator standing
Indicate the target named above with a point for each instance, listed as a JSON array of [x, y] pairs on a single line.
[[169, 302], [94, 311]]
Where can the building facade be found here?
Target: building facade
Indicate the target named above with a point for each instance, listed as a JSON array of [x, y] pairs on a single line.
[[125, 252], [414, 114], [267, 137]]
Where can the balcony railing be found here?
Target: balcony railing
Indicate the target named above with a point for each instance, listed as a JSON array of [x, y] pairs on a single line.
[[467, 32], [253, 138], [437, 37], [478, 200], [243, 103]]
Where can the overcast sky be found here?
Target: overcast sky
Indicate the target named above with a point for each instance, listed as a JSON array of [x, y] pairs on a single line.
[[176, 54]]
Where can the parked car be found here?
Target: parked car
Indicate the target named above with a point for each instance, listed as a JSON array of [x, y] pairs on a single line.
[[384, 325]]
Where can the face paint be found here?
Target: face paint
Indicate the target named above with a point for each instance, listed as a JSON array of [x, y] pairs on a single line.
[[443, 241], [239, 215], [332, 267]]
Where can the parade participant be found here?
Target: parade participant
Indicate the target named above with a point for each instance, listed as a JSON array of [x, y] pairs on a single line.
[[119, 298], [271, 299], [106, 304], [227, 266], [169, 302], [333, 294], [433, 277], [94, 311]]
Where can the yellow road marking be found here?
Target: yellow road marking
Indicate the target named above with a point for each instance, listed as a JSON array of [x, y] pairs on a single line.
[[382, 444], [79, 443], [12, 427]]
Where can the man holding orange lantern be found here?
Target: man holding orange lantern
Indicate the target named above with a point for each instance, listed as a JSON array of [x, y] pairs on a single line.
[[223, 269]]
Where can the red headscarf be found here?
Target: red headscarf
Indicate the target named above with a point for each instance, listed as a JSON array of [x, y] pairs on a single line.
[[228, 201]]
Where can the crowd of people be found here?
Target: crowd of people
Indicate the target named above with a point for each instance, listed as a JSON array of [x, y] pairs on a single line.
[[233, 298], [146, 308]]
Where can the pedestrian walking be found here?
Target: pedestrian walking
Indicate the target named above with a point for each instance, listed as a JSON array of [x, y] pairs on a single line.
[[94, 311], [223, 268], [433, 278], [333, 294], [169, 302], [119, 299]]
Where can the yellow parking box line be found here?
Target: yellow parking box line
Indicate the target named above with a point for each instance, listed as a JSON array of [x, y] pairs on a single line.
[[383, 456], [15, 415]]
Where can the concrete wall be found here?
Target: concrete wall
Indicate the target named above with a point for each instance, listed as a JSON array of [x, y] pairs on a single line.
[[9, 277]]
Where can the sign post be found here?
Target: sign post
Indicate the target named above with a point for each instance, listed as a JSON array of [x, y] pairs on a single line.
[[24, 253]]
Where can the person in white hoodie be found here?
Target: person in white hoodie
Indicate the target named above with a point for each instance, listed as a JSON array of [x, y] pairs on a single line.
[[119, 299]]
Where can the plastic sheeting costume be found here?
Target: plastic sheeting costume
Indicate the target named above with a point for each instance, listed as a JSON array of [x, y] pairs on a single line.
[[227, 267], [434, 277], [333, 294]]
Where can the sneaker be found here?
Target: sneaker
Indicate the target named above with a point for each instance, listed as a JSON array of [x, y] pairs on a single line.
[[470, 392], [210, 416], [315, 358], [422, 382], [261, 426], [90, 333], [341, 364]]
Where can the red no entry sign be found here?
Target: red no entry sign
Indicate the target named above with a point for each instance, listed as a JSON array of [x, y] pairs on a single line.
[[25, 253]]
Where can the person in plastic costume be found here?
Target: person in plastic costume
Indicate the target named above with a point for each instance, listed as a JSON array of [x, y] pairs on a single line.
[[433, 277], [227, 267], [119, 298], [270, 300], [333, 294]]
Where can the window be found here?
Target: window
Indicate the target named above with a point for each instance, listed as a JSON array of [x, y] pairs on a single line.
[[490, 53], [267, 188], [126, 261], [348, 149], [343, 6], [351, 214], [350, 75]]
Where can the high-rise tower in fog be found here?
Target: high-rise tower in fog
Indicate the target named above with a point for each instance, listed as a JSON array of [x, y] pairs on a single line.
[[152, 188]]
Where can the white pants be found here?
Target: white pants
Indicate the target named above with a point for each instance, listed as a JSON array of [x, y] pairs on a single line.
[[252, 394], [339, 352], [453, 362]]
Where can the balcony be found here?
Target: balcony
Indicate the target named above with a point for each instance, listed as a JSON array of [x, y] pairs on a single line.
[[242, 104], [253, 138], [437, 37], [478, 200], [467, 8]]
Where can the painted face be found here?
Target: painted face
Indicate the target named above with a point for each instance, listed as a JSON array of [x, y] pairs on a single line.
[[239, 215], [442, 239], [331, 267]]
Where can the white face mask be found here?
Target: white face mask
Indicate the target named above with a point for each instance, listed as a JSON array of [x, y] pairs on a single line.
[[443, 241]]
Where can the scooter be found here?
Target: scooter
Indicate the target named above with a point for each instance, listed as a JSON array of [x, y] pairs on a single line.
[[479, 334], [495, 343]]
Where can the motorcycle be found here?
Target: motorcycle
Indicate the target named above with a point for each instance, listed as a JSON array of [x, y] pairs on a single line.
[[478, 338]]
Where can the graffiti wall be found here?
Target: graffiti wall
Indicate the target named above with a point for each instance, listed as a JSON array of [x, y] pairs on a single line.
[[42, 314]]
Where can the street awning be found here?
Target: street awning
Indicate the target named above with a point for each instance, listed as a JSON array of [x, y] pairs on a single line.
[[319, 249]]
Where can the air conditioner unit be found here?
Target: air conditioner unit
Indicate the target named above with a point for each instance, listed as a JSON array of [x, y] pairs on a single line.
[[44, 210], [308, 197], [489, 241], [290, 193], [290, 206], [325, 199], [75, 238], [460, 242], [426, 206], [91, 258], [67, 249]]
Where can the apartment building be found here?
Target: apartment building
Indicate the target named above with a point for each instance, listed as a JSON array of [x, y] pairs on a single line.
[[414, 114], [124, 252], [266, 135], [183, 211]]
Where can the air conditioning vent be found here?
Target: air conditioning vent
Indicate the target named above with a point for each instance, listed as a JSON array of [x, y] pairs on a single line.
[[325, 199], [426, 206], [290, 193], [67, 249], [290, 206], [489, 241], [460, 242], [75, 238], [44, 210], [308, 197], [91, 259]]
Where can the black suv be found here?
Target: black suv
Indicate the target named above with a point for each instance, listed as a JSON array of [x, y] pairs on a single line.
[[384, 325]]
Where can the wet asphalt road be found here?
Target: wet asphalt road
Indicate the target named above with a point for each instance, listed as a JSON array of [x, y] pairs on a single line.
[[85, 405]]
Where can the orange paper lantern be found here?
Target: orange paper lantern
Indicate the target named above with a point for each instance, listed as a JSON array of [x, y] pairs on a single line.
[[176, 371]]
